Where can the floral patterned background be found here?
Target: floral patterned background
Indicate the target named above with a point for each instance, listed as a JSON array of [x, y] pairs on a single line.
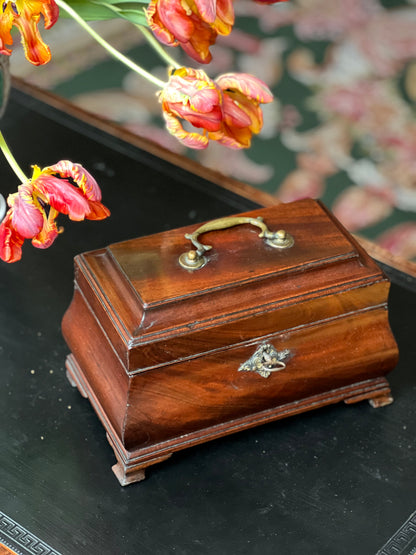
[[342, 128]]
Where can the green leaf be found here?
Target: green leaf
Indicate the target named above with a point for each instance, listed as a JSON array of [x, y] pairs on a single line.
[[137, 4], [132, 11], [91, 10]]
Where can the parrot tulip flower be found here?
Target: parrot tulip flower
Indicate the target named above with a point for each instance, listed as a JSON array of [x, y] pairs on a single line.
[[192, 24], [243, 94], [25, 15], [38, 202], [227, 109]]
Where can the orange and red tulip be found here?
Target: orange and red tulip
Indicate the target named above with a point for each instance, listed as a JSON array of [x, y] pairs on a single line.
[[227, 109], [38, 202], [192, 24]]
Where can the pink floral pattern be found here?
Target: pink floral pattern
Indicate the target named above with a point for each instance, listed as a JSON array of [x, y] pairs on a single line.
[[366, 128]]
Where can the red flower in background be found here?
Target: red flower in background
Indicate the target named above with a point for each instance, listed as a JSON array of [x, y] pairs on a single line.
[[191, 24], [227, 109], [35, 207]]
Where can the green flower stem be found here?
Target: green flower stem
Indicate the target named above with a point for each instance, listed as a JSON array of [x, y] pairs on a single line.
[[11, 159], [113, 51], [158, 47]]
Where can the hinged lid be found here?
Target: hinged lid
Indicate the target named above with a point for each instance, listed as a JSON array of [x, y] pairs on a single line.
[[155, 311]]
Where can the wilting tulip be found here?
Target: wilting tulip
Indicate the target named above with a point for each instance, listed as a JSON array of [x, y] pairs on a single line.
[[226, 109], [191, 24], [25, 15], [38, 202]]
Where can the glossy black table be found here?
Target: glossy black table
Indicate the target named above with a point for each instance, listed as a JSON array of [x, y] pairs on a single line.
[[338, 480]]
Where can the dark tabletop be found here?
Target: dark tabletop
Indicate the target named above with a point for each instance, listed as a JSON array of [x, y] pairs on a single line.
[[339, 480]]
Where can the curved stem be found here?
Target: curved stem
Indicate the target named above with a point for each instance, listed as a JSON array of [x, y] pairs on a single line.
[[7, 82], [113, 51], [11, 159], [158, 47]]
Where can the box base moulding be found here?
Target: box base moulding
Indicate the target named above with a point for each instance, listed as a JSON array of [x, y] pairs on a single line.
[[131, 465]]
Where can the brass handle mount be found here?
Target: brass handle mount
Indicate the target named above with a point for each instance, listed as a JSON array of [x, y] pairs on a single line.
[[195, 259]]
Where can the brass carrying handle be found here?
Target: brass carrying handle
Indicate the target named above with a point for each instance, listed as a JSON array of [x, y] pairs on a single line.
[[195, 259]]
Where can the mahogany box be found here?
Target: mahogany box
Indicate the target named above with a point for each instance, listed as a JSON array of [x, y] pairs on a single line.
[[176, 343]]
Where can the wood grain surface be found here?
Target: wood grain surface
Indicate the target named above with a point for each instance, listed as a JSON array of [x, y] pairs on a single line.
[[162, 346]]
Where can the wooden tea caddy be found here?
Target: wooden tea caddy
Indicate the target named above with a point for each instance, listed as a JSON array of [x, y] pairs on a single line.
[[175, 345]]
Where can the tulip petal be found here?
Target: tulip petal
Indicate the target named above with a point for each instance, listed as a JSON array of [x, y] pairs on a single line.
[[48, 233], [36, 51], [161, 32], [233, 137], [249, 107], [97, 211], [194, 97], [247, 84], [192, 140], [234, 114], [6, 23], [26, 216], [10, 241], [207, 9], [176, 19], [50, 13], [79, 175], [210, 121], [225, 13], [188, 100], [197, 47], [194, 91], [25, 15], [62, 196]]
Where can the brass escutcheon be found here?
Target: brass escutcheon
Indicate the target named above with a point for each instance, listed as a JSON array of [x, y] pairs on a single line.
[[265, 360]]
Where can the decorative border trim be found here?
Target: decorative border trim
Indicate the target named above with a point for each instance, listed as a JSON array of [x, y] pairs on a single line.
[[404, 540], [20, 540]]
